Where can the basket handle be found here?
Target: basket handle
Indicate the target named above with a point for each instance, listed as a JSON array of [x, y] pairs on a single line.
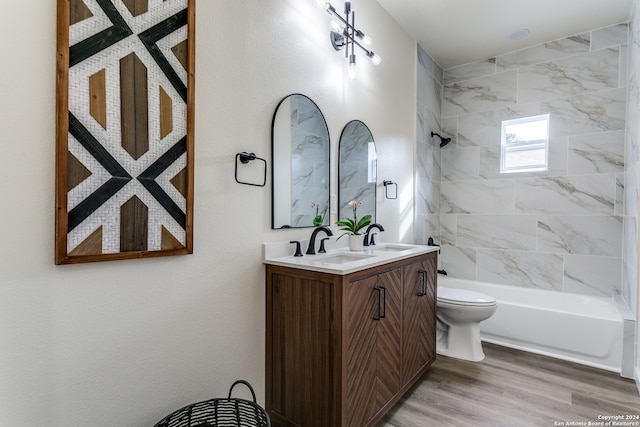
[[248, 386]]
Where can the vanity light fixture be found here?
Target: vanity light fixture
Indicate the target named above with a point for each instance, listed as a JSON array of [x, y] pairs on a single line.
[[345, 35]]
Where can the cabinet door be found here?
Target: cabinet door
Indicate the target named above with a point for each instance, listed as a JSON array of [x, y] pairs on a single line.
[[300, 357], [374, 319], [419, 313], [389, 338], [361, 308]]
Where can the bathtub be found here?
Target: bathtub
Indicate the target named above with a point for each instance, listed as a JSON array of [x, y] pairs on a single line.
[[578, 328]]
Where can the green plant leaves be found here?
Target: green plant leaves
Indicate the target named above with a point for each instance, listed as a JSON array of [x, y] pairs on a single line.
[[351, 226]]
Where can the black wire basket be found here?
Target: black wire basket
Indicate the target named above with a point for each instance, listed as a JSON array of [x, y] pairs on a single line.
[[220, 412]]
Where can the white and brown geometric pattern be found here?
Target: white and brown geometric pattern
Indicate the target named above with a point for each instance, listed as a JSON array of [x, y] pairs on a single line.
[[124, 168]]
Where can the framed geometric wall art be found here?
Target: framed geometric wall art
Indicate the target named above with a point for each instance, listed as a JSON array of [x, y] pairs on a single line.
[[125, 123]]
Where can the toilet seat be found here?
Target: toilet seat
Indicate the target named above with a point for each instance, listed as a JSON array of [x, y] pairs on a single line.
[[464, 297]]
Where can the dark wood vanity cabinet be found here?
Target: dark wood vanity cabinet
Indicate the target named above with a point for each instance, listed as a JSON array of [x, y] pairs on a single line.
[[342, 350]]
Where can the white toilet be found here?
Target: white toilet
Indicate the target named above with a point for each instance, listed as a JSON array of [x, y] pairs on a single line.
[[459, 313]]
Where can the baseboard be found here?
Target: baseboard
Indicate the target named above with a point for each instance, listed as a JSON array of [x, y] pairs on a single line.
[[637, 378]]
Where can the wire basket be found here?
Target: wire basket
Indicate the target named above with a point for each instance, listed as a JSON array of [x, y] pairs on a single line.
[[220, 412]]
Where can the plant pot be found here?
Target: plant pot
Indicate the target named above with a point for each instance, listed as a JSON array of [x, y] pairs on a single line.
[[356, 241]]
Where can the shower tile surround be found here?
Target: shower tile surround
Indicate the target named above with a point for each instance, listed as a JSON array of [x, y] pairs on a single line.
[[428, 152], [631, 188], [561, 229]]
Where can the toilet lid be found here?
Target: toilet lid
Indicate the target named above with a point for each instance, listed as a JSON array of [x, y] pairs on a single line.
[[464, 297]]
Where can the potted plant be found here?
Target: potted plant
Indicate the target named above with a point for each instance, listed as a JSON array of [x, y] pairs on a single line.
[[352, 227]]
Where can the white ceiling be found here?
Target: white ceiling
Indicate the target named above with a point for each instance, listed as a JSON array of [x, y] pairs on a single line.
[[456, 32]]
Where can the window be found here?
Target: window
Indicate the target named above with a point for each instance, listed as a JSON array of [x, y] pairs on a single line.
[[525, 144]]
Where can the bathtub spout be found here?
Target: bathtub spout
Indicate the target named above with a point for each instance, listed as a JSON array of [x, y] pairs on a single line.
[[443, 272]]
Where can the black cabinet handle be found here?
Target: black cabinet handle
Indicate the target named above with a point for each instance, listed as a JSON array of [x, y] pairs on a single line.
[[378, 315], [423, 286], [382, 302]]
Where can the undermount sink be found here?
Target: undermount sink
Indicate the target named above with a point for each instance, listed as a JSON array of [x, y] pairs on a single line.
[[344, 257]]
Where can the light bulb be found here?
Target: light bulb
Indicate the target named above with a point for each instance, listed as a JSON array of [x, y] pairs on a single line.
[[374, 58], [352, 70], [363, 38]]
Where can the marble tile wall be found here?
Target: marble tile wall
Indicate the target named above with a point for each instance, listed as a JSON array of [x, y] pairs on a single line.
[[561, 229], [631, 169], [428, 174]]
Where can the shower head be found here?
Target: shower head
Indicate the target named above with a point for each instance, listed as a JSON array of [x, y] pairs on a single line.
[[443, 141]]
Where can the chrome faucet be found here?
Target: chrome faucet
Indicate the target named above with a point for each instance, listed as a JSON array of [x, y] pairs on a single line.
[[368, 242], [311, 250]]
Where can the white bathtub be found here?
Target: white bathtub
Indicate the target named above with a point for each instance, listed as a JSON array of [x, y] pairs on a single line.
[[579, 328]]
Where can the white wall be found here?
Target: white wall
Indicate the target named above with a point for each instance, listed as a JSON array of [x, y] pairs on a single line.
[[125, 342]]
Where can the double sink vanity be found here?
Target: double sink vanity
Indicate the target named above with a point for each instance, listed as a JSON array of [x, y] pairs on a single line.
[[347, 333]]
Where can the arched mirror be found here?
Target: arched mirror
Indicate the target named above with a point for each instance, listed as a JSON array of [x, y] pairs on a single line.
[[300, 172], [357, 170]]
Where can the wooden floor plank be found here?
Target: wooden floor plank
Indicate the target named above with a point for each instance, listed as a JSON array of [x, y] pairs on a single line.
[[512, 388]]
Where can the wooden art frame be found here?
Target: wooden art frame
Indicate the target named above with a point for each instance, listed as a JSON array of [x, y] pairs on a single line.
[[125, 129]]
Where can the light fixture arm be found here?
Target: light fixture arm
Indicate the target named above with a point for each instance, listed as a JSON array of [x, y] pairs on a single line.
[[348, 39]]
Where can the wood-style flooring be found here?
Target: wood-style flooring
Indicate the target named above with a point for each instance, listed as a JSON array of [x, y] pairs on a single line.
[[514, 388]]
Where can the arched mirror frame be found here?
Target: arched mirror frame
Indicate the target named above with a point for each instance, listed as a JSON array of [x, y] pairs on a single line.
[[314, 207], [366, 193]]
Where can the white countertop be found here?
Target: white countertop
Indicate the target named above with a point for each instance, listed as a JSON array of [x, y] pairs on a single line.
[[342, 261]]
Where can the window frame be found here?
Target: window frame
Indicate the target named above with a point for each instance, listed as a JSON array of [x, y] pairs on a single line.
[[528, 145]]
